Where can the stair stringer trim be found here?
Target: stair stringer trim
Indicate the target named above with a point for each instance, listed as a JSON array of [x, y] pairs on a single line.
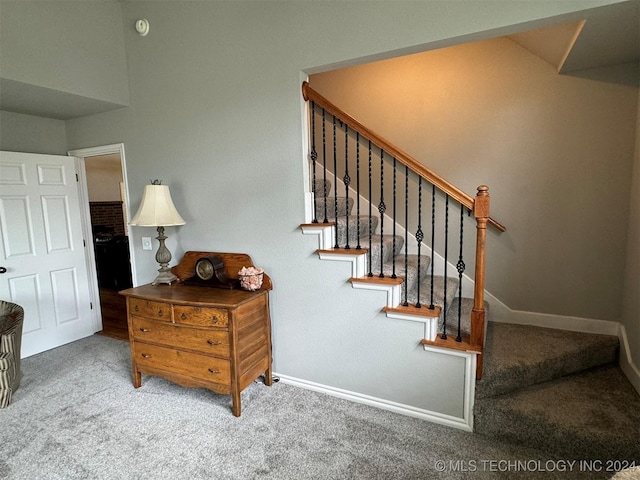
[[358, 260], [465, 423], [470, 364], [393, 291], [430, 323], [324, 232]]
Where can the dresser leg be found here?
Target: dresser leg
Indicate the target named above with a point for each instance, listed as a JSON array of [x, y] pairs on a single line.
[[235, 407], [137, 378]]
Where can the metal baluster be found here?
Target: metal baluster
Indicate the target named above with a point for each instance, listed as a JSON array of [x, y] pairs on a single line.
[[358, 247], [324, 164], [433, 237], [419, 236], [460, 267], [370, 274], [314, 158], [406, 233], [381, 208], [347, 180], [393, 259], [335, 187], [446, 249]]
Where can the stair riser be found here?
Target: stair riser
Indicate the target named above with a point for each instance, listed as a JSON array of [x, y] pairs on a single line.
[[520, 376], [381, 254], [438, 291], [353, 231], [411, 275]]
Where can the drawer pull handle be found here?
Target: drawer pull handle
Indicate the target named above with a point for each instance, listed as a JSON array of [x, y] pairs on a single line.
[[159, 313], [213, 342], [213, 371], [136, 308], [183, 316], [214, 319], [146, 355], [142, 329]]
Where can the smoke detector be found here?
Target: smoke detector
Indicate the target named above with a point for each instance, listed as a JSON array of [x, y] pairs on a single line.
[[142, 26]]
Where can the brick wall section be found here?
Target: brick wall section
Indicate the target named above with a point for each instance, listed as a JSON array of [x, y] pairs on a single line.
[[108, 214]]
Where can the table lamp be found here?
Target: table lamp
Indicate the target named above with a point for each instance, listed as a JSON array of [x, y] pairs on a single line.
[[157, 210]]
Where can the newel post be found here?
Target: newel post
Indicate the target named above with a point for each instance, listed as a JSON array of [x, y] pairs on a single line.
[[481, 213]]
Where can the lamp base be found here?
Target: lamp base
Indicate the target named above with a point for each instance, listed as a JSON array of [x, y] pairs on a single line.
[[165, 277], [163, 257]]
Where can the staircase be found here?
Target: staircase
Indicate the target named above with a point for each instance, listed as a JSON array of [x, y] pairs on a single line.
[[557, 391]]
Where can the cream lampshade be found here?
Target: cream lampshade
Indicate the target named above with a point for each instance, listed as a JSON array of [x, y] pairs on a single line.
[[157, 210]]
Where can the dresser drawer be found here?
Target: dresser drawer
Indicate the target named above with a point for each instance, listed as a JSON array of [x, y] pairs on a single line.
[[210, 341], [202, 367], [201, 316], [150, 309]]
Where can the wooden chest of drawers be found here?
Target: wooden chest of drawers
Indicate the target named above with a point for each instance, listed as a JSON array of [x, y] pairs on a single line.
[[200, 337]]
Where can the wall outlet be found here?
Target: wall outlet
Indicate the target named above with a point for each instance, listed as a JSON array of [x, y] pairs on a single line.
[[146, 243]]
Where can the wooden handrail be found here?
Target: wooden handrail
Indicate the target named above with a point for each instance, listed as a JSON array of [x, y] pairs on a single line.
[[454, 192]]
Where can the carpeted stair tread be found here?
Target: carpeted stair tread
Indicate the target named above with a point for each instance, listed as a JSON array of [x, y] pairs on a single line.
[[411, 274], [321, 187], [466, 305], [594, 414], [517, 356], [381, 246], [342, 205], [438, 291], [354, 227]]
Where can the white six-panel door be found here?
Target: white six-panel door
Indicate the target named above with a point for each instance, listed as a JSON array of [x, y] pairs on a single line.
[[42, 249]]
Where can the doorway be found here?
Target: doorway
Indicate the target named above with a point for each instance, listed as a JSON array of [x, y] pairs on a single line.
[[102, 179], [107, 210]]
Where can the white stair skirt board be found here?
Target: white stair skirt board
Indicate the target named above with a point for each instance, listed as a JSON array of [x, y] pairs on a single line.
[[393, 291], [465, 423], [430, 323], [358, 261], [308, 206], [627, 365], [324, 233]]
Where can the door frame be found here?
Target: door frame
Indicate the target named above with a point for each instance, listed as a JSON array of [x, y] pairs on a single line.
[[90, 258]]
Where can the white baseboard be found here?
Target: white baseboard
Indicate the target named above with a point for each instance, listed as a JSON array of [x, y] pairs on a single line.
[[408, 410], [499, 312]]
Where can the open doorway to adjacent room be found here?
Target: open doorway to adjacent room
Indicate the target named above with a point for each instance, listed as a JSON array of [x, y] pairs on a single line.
[[107, 207], [102, 183]]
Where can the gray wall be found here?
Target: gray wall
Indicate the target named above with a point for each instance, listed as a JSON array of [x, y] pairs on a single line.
[[72, 47], [631, 304], [216, 112], [28, 133]]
